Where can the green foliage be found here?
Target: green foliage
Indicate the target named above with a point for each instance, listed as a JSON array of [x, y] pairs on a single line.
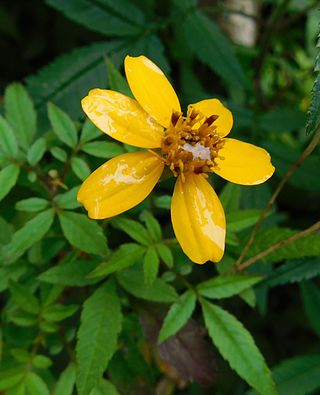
[[311, 300], [100, 321]]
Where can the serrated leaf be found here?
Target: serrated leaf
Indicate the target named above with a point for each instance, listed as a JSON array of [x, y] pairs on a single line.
[[32, 231], [296, 376], [24, 298], [80, 168], [249, 296], [20, 113], [117, 82], [35, 384], [101, 320], [58, 312], [62, 125], [311, 302], [68, 200], [66, 381], [72, 274], [8, 179], [125, 256], [237, 346], [178, 315], [152, 225], [293, 271], [133, 282], [36, 151], [124, 18], [165, 254], [304, 247], [83, 233], [8, 141], [102, 149], [134, 229], [32, 204], [242, 219], [224, 286], [150, 265], [212, 47]]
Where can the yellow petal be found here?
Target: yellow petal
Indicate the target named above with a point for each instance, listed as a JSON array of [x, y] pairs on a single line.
[[198, 219], [151, 88], [244, 163], [122, 118], [120, 184], [215, 107]]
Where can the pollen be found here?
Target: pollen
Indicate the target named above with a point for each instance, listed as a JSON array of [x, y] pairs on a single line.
[[191, 143]]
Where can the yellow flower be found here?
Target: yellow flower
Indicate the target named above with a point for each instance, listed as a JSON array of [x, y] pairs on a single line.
[[191, 146]]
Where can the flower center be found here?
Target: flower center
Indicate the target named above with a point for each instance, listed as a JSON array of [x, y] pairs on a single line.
[[191, 143]]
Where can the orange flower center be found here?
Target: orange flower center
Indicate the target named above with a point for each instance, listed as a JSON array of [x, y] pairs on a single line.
[[191, 143]]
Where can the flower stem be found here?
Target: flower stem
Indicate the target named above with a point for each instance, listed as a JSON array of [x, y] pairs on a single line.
[[280, 244], [309, 149]]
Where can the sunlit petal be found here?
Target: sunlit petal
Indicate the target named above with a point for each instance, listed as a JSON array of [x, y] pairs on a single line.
[[122, 118], [120, 184], [151, 88], [244, 163], [198, 219], [215, 107]]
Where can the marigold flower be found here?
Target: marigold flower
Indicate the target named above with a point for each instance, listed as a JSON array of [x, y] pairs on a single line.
[[191, 146]]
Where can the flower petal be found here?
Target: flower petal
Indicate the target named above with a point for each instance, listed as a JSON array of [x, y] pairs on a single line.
[[120, 184], [198, 219], [215, 107], [244, 163], [151, 88], [122, 118]]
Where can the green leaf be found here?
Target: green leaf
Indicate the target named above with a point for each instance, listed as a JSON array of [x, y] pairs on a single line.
[[8, 141], [304, 247], [101, 320], [224, 286], [62, 125], [296, 376], [313, 115], [163, 202], [104, 388], [206, 40], [72, 274], [165, 254], [32, 204], [24, 298], [68, 200], [178, 315], [59, 312], [80, 168], [152, 225], [311, 302], [124, 18], [242, 219], [125, 256], [249, 296], [150, 265], [41, 362], [282, 120], [133, 282], [134, 229], [59, 154], [293, 271], [102, 149], [35, 384], [83, 233], [66, 381], [32, 231], [237, 346], [230, 197], [20, 113], [116, 80], [8, 178], [10, 378], [36, 151], [89, 132]]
